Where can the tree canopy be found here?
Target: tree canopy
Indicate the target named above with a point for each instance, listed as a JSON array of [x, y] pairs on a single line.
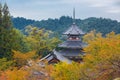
[[59, 25]]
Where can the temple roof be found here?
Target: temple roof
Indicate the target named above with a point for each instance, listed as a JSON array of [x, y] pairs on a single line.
[[71, 53], [61, 57], [56, 54], [74, 30], [48, 57], [72, 44]]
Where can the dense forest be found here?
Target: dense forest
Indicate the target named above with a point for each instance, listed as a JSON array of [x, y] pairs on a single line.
[[60, 25], [20, 53]]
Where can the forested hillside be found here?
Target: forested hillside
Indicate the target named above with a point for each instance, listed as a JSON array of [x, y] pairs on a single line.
[[59, 25], [21, 22]]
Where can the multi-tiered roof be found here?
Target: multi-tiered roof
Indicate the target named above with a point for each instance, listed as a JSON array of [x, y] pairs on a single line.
[[72, 48], [73, 34], [73, 41], [74, 30]]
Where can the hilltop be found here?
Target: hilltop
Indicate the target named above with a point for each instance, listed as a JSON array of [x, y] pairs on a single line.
[[102, 25]]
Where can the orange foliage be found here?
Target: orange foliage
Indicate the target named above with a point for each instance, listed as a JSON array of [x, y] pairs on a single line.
[[22, 58], [2, 76], [103, 56], [16, 74]]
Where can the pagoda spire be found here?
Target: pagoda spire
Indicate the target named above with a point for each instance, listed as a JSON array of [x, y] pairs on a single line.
[[73, 15], [73, 30]]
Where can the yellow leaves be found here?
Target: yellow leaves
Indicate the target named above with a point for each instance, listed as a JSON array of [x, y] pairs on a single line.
[[102, 54], [27, 55], [16, 74], [36, 71], [49, 68], [91, 36], [64, 71], [5, 64], [22, 58], [40, 40], [111, 35], [88, 57]]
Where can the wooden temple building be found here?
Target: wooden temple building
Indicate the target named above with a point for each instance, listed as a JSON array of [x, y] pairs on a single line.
[[71, 49]]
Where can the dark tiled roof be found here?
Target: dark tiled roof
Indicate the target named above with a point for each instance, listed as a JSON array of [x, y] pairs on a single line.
[[72, 44], [56, 54], [71, 52], [61, 57], [74, 30]]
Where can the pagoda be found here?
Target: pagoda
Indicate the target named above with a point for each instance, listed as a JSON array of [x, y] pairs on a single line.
[[71, 49]]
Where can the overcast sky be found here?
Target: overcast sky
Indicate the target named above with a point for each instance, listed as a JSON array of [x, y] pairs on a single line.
[[44, 9]]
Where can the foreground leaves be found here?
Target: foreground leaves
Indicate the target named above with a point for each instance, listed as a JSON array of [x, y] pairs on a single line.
[[103, 57], [22, 59]]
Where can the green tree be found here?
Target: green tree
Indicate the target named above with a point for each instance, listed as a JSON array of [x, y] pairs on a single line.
[[5, 64], [0, 14], [10, 38], [41, 40], [6, 23], [5, 33]]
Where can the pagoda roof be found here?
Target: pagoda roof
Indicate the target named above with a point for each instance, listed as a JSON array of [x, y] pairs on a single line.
[[71, 52], [56, 55], [72, 44], [74, 30], [62, 57]]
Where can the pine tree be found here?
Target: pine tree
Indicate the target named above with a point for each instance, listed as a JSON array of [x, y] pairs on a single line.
[[10, 38], [6, 17], [1, 32], [5, 32], [0, 14]]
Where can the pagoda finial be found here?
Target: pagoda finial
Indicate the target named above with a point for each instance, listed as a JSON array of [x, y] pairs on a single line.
[[73, 15]]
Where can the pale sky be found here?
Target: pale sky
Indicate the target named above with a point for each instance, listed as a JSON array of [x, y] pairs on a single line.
[[44, 9]]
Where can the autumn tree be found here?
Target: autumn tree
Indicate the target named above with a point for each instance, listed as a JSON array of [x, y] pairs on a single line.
[[102, 58], [21, 59], [4, 64], [64, 71], [16, 74], [40, 40]]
